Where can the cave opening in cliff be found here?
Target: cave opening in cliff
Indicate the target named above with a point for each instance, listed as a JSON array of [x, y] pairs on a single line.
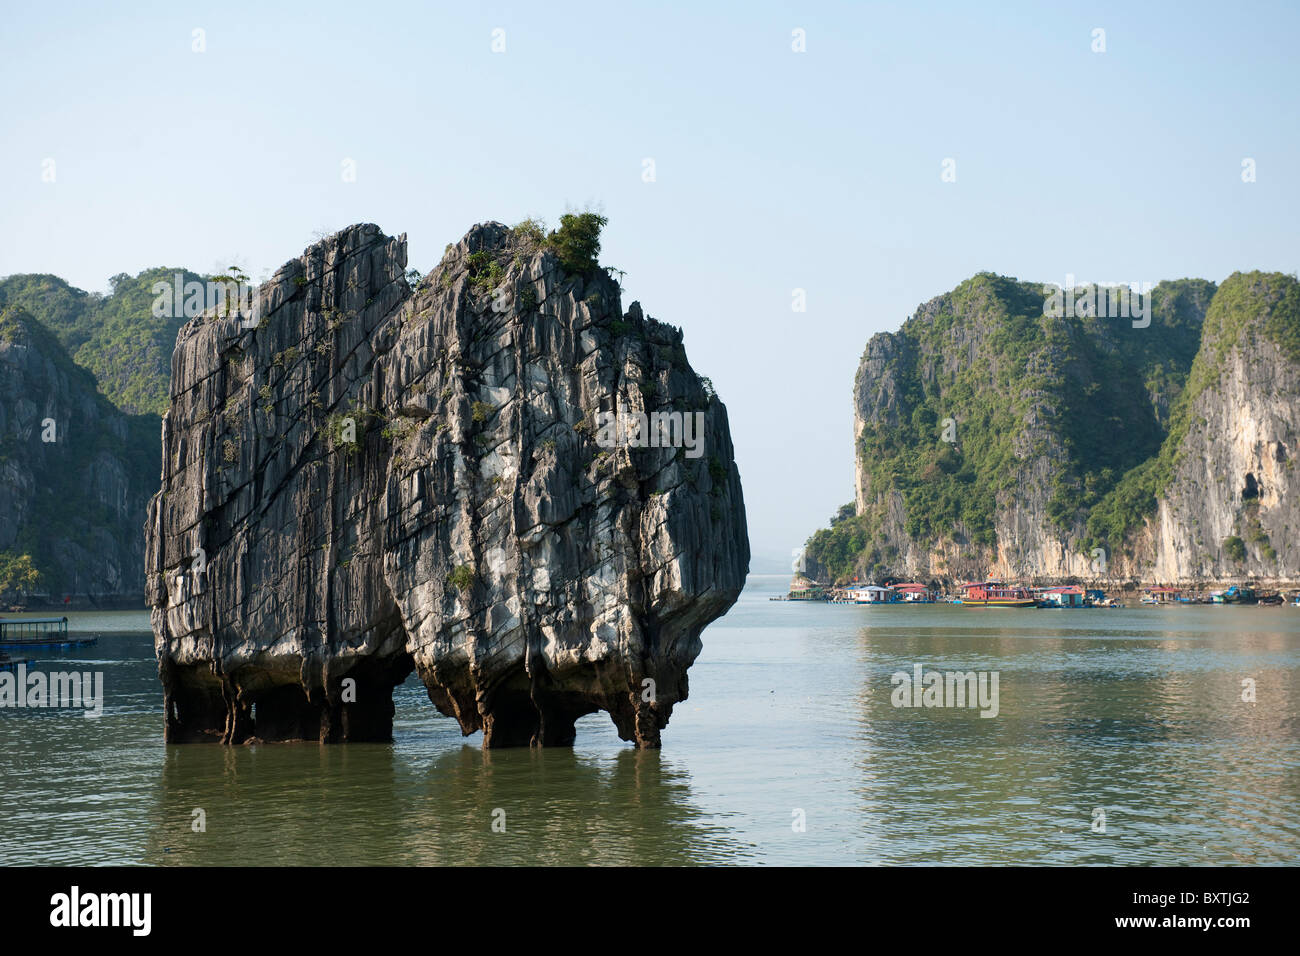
[[1252, 490]]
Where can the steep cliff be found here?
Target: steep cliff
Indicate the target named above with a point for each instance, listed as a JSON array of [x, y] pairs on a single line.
[[75, 473], [376, 479], [1222, 500], [995, 437]]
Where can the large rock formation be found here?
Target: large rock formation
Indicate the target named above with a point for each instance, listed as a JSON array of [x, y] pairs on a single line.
[[75, 473], [1228, 500], [376, 479], [995, 439]]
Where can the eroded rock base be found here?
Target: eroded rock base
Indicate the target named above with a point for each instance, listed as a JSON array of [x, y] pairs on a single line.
[[540, 711], [252, 705]]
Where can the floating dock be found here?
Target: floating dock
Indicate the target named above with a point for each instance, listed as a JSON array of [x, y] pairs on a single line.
[[46, 633]]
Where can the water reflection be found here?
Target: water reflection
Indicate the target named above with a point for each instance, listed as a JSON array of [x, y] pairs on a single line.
[[290, 804], [559, 807], [1145, 725]]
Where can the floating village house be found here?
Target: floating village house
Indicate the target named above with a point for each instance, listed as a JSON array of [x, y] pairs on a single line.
[[803, 589], [913, 593], [1066, 596], [875, 594], [1161, 595]]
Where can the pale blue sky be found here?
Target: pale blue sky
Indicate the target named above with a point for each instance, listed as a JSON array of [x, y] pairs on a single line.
[[775, 170]]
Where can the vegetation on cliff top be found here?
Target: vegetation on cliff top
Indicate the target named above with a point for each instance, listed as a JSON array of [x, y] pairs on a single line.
[[115, 336], [577, 241]]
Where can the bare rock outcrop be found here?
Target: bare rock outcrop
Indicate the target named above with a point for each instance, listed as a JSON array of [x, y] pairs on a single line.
[[377, 479]]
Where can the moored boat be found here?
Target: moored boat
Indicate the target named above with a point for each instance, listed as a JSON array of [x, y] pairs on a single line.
[[1240, 595]]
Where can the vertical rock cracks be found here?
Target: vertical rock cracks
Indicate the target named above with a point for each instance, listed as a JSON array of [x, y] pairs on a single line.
[[371, 479]]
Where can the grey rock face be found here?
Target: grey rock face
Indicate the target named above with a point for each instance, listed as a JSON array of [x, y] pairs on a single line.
[[377, 480]]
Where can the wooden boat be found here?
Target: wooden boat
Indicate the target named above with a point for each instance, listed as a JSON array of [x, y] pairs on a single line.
[[1239, 595], [995, 594]]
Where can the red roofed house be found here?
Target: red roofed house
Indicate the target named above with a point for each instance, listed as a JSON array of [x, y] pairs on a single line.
[[914, 593]]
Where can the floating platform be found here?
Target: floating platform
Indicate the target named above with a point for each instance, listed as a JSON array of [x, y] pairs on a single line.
[[45, 633]]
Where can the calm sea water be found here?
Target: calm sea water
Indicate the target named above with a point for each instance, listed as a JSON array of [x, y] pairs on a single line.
[[1137, 713]]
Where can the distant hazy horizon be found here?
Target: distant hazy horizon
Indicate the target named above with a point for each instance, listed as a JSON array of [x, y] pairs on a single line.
[[774, 170]]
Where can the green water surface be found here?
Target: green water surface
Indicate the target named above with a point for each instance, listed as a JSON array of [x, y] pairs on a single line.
[[1136, 713]]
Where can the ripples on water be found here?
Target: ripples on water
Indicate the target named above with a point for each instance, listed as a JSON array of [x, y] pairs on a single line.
[[1136, 712]]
